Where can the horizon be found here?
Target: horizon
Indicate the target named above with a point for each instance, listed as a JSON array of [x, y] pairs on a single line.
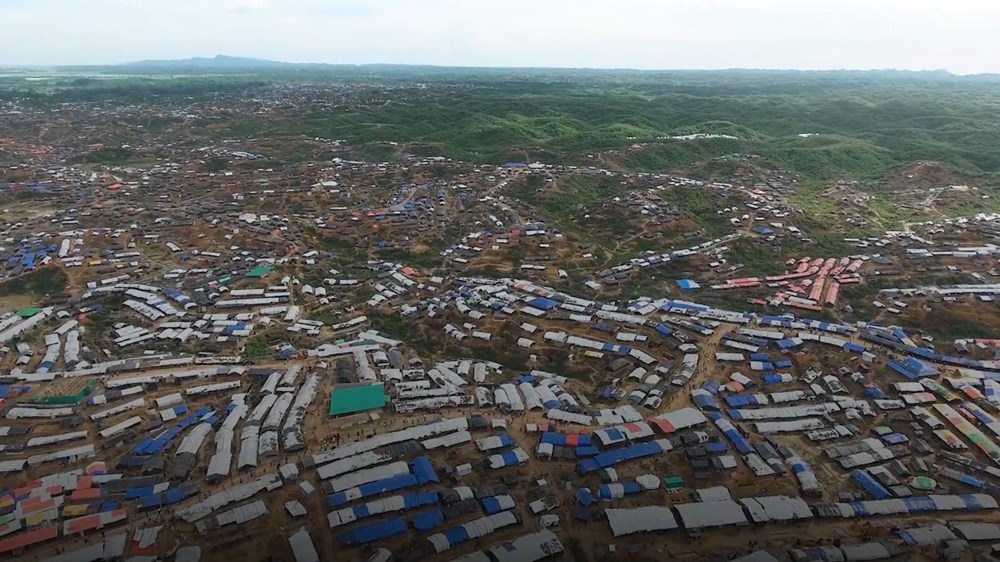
[[581, 34], [250, 60]]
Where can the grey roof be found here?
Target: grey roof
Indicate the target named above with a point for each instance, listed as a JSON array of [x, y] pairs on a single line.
[[865, 551], [927, 535], [758, 556], [711, 514], [640, 520], [977, 531]]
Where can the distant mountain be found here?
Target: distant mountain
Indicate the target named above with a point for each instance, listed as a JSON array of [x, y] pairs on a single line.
[[218, 61], [226, 64]]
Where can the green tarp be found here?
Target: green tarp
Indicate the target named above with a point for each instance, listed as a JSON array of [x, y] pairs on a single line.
[[259, 271], [352, 399]]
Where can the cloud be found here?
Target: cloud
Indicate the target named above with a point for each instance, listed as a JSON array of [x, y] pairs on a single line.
[[248, 6]]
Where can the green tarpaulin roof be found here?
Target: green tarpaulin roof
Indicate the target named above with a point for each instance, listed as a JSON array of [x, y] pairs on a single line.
[[351, 399], [28, 312], [259, 271]]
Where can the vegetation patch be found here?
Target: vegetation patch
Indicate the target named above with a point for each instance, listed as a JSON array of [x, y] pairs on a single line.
[[49, 281]]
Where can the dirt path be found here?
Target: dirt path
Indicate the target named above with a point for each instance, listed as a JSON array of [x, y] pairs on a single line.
[[707, 369]]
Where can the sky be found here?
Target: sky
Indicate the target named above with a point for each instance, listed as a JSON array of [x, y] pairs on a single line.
[[960, 36]]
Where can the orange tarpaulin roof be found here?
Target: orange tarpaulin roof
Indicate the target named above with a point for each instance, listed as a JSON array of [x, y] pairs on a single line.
[[82, 524], [972, 392], [37, 506], [663, 425], [86, 494], [31, 500], [23, 491], [91, 522], [22, 540]]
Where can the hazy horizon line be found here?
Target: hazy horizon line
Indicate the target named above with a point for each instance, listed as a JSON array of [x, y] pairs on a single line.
[[250, 59]]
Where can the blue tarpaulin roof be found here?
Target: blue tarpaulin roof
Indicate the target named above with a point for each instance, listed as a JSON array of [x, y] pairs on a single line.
[[853, 347], [584, 496], [859, 509], [136, 493], [738, 441], [456, 535], [509, 458], [150, 501], [912, 368], [663, 330], [629, 488], [624, 454], [374, 532], [740, 400], [895, 438], [154, 445], [372, 488], [542, 303], [427, 521], [918, 504], [424, 470], [870, 485], [492, 505], [771, 379], [687, 284], [411, 501], [971, 502], [179, 493], [705, 401], [561, 440], [715, 447], [875, 392]]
